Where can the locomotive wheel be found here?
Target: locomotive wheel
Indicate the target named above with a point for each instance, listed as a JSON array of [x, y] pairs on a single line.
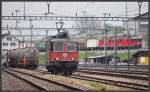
[[14, 66], [67, 73], [70, 73], [55, 73], [52, 72]]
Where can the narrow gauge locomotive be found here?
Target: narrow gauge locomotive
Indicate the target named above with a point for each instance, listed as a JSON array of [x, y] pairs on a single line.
[[24, 57], [62, 54]]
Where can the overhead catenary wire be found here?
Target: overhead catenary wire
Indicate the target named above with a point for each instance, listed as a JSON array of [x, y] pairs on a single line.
[[82, 8], [129, 11]]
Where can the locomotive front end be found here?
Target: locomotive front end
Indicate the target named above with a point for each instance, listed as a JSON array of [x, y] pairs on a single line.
[[62, 56]]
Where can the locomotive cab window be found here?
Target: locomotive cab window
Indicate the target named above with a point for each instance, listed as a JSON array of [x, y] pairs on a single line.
[[51, 46], [71, 46], [58, 46]]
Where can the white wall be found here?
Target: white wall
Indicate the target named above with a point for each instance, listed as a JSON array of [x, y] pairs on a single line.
[[9, 47]]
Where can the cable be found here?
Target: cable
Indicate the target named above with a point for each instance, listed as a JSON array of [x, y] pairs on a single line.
[[28, 8], [87, 5], [131, 11]]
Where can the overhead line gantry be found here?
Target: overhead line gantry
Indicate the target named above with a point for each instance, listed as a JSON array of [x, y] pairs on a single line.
[[65, 18]]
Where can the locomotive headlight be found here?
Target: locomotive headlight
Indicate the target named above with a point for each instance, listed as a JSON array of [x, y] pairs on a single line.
[[57, 58], [72, 58]]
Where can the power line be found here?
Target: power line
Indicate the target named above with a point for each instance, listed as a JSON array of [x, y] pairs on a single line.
[[131, 11], [65, 18], [87, 5], [28, 7]]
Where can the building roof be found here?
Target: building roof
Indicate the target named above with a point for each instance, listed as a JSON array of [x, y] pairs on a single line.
[[141, 52], [7, 34]]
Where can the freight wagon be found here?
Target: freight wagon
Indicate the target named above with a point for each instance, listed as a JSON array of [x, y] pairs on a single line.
[[24, 57]]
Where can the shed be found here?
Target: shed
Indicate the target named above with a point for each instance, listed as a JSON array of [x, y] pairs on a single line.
[[141, 57]]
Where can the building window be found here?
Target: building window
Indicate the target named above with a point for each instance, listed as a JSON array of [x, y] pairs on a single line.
[[4, 49], [12, 44], [5, 44], [9, 38]]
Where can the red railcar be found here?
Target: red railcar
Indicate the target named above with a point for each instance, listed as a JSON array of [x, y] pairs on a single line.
[[62, 56], [122, 42]]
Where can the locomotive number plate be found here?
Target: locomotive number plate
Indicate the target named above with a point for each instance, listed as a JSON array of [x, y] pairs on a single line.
[[64, 54]]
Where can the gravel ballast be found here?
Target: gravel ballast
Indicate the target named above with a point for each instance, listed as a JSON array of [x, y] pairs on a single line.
[[10, 82]]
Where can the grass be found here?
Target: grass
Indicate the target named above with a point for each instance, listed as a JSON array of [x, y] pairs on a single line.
[[124, 55], [42, 59], [83, 54], [98, 86]]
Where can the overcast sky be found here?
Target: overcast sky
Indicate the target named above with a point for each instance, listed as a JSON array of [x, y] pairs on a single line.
[[68, 9]]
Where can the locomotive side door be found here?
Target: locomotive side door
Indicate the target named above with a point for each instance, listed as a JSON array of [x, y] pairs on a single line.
[[49, 49]]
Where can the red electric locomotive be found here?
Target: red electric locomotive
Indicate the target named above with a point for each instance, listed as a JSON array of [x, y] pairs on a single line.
[[133, 42], [62, 54]]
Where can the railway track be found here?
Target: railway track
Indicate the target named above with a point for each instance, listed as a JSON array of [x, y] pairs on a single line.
[[129, 84], [87, 77], [113, 82], [41, 83], [117, 74], [13, 83], [115, 71]]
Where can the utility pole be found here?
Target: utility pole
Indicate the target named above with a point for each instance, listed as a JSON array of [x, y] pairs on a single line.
[[17, 23], [48, 9], [31, 26], [22, 41], [24, 8], [46, 31], [48, 4], [84, 27], [140, 5], [115, 48], [105, 40], [136, 31], [127, 34]]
